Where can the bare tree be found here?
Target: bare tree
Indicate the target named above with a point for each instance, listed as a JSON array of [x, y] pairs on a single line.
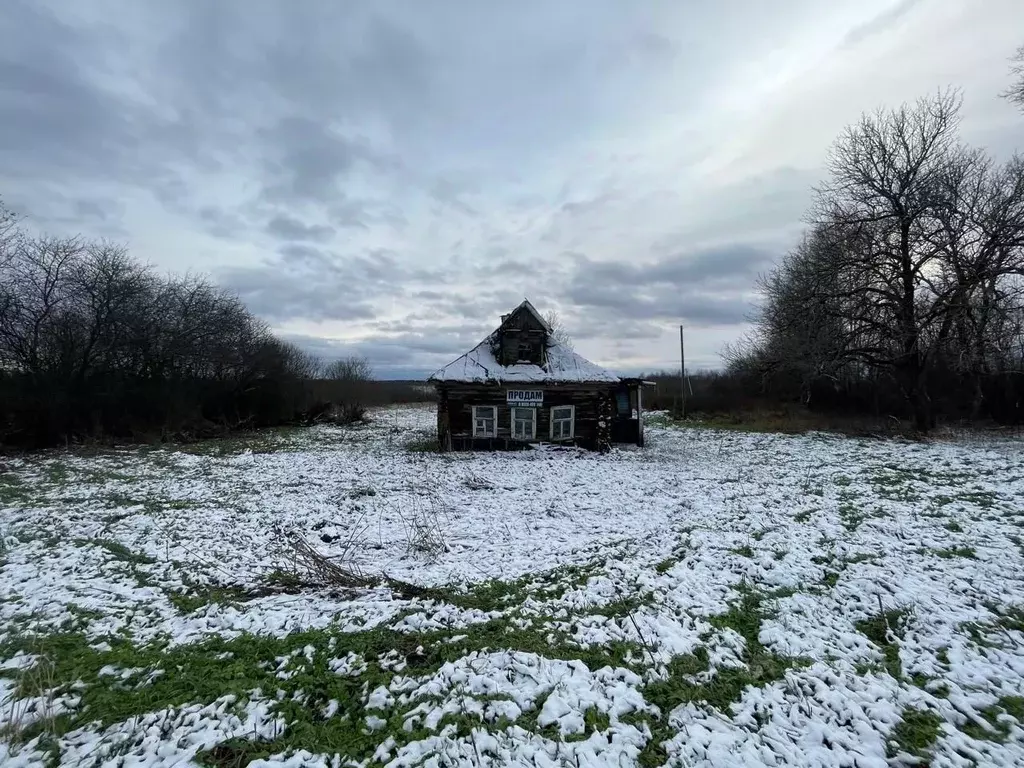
[[800, 335], [353, 368], [352, 377], [884, 174], [917, 242], [558, 330], [8, 225], [94, 343], [1015, 92]]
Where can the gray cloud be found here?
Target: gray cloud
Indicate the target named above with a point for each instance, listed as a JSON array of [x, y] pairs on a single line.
[[598, 328], [395, 356], [309, 282], [734, 263], [308, 159], [221, 223], [706, 287], [278, 295], [286, 227], [664, 304], [415, 169], [55, 114], [351, 213], [881, 22], [97, 208]]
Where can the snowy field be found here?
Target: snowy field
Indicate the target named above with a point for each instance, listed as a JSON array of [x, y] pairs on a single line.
[[718, 598]]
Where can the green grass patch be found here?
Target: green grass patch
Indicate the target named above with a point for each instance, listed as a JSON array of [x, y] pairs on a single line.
[[915, 733], [885, 630], [983, 499], [272, 440], [1010, 618], [55, 473], [423, 444], [286, 580], [197, 598], [760, 534], [149, 505], [995, 716], [861, 557], [894, 482], [120, 551], [13, 490], [993, 633], [948, 554], [678, 553], [204, 672], [500, 594], [744, 551], [851, 515], [666, 565], [661, 420], [686, 679], [623, 606]]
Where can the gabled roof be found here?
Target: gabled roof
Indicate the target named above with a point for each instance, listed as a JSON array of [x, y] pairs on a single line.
[[479, 365], [527, 306]]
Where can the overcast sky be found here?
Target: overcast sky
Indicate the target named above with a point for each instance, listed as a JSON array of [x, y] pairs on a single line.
[[388, 177]]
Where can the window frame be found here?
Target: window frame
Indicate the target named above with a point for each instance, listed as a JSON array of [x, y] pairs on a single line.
[[571, 420], [533, 424], [493, 419]]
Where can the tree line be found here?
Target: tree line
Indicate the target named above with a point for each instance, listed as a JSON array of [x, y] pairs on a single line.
[[95, 345], [905, 297]]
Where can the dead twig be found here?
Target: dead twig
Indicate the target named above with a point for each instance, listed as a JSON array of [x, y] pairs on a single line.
[[643, 640], [312, 565]]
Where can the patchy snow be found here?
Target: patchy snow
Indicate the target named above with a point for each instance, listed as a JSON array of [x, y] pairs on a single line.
[[564, 366], [888, 575]]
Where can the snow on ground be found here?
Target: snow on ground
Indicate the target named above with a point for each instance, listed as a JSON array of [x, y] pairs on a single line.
[[718, 598]]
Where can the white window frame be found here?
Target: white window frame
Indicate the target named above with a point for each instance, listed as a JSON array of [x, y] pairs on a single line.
[[572, 422], [533, 422], [493, 419]]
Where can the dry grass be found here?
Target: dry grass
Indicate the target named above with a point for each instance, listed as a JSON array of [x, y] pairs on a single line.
[[305, 564], [425, 525], [31, 708], [791, 421]]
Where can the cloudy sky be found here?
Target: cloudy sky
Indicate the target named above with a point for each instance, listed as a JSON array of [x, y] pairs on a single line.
[[387, 177]]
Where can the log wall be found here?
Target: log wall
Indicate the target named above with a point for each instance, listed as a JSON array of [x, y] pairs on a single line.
[[594, 408]]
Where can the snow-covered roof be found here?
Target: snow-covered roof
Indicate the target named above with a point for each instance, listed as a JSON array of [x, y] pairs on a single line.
[[563, 366]]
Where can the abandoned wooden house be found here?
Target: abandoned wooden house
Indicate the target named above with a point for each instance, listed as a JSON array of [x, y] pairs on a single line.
[[521, 385]]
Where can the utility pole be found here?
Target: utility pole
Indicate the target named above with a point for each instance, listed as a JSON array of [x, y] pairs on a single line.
[[682, 375]]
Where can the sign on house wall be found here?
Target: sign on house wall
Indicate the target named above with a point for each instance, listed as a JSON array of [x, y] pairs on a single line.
[[526, 397]]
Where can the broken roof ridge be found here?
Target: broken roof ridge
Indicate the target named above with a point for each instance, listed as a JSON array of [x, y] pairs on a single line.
[[563, 364], [528, 306]]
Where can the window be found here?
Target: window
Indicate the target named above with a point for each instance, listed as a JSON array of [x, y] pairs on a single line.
[[563, 422], [524, 423], [485, 421], [529, 351], [622, 401]]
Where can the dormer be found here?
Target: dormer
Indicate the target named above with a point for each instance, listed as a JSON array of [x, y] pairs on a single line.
[[522, 337]]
